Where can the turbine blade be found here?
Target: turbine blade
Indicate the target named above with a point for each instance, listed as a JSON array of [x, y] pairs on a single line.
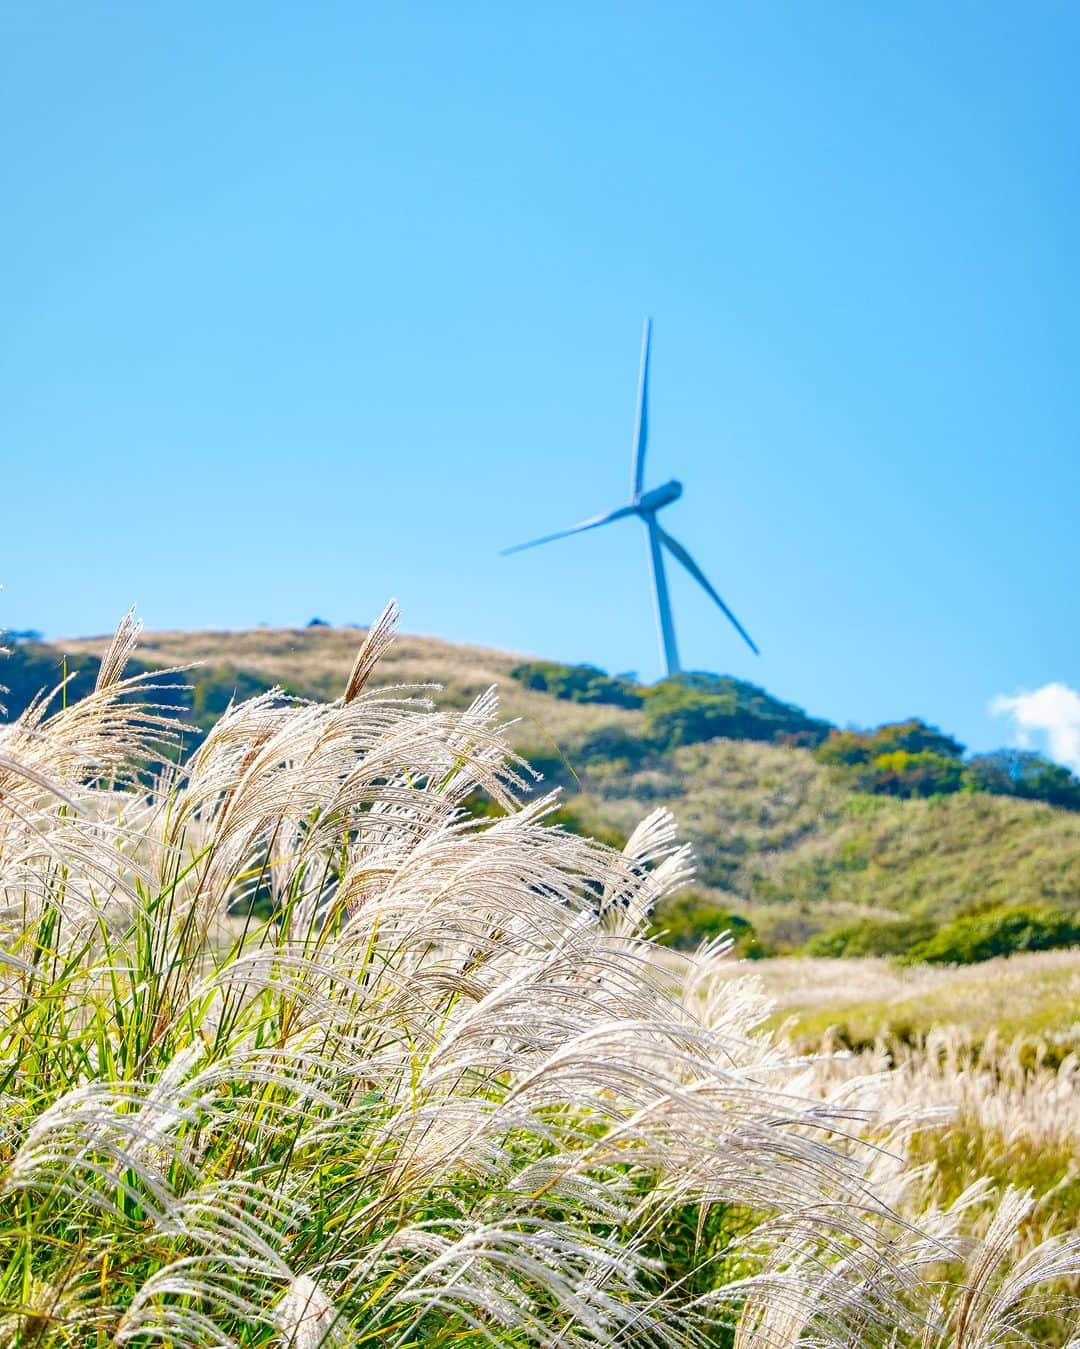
[[665, 623], [594, 523], [641, 421], [680, 554]]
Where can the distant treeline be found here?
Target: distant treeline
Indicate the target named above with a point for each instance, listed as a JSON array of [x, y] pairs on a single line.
[[909, 758], [685, 709], [981, 933], [905, 759]]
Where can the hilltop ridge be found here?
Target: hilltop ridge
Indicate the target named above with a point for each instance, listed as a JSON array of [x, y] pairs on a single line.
[[782, 839]]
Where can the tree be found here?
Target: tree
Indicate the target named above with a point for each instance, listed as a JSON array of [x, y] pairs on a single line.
[[688, 708], [910, 737], [1018, 772], [915, 737], [687, 919], [578, 683], [902, 773], [996, 932], [844, 749]]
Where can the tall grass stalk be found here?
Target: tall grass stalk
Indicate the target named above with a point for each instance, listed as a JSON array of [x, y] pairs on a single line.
[[442, 1095]]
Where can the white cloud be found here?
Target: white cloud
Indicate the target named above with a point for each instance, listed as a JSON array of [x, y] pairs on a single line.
[[1050, 715]]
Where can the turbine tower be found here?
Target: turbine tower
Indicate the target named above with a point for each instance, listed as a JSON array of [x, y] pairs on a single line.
[[646, 506]]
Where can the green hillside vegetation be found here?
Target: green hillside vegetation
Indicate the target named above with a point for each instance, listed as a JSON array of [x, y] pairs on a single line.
[[976, 937], [869, 840], [966, 940], [689, 918], [910, 758], [684, 709]]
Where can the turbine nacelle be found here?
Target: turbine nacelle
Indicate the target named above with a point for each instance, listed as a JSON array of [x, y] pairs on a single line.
[[650, 502]]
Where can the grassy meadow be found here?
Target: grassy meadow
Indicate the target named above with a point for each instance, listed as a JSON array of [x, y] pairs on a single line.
[[1032, 996], [299, 1048]]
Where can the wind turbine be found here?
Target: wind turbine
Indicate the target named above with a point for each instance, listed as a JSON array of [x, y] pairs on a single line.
[[646, 506]]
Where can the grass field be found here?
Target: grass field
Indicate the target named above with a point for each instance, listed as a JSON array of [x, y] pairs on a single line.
[[450, 1093], [987, 1056], [1032, 996]]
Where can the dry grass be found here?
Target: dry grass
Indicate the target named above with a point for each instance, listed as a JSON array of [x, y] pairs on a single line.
[[318, 660], [992, 1108], [1036, 995]]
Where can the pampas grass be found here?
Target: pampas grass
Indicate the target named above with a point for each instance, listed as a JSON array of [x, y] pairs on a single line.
[[444, 1095]]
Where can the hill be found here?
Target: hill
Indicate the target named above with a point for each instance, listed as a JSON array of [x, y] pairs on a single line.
[[782, 839]]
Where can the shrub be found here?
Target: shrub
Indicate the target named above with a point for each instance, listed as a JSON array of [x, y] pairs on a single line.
[[906, 773], [614, 748], [686, 920], [199, 695], [996, 932], [909, 758], [31, 671], [871, 937], [848, 748], [689, 708], [915, 737], [1017, 772], [568, 815], [906, 758], [845, 749], [30, 668], [578, 683], [965, 940]]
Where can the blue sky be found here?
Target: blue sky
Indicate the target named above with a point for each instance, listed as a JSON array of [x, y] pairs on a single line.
[[306, 306]]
